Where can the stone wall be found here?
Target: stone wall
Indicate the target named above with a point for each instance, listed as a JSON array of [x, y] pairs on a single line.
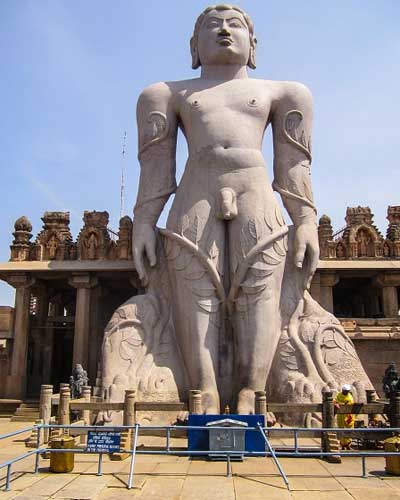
[[375, 355]]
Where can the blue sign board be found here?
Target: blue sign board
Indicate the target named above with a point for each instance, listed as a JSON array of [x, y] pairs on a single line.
[[198, 440], [103, 442]]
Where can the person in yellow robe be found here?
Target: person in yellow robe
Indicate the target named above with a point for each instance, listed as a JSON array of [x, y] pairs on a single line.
[[343, 420]]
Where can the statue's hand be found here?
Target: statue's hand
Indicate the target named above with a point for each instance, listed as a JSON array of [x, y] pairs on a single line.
[[143, 241], [307, 249]]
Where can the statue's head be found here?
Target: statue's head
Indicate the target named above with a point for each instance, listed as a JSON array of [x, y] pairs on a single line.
[[223, 34]]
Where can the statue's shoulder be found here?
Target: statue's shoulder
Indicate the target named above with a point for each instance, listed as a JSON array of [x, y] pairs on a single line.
[[163, 92], [289, 90]]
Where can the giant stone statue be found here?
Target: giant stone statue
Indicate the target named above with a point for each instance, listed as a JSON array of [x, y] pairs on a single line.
[[227, 308]]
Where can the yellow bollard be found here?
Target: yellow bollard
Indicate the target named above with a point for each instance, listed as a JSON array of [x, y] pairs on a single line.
[[392, 463], [62, 462]]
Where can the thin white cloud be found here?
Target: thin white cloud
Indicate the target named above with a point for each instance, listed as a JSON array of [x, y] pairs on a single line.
[[51, 194]]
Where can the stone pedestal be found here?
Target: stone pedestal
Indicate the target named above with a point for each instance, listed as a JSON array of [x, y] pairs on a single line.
[[83, 283], [16, 380]]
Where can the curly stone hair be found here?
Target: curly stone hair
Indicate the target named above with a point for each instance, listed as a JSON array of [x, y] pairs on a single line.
[[196, 63]]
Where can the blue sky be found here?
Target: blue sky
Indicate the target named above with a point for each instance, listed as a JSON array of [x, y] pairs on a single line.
[[72, 72]]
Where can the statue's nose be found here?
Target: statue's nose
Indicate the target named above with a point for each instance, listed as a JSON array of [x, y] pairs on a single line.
[[224, 32]]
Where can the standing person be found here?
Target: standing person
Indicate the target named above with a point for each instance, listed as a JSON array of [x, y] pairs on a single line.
[[345, 421]]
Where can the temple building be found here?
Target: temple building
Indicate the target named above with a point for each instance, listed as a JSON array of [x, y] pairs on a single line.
[[66, 291]]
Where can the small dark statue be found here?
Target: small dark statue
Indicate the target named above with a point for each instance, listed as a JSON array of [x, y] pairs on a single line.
[[77, 380], [390, 380]]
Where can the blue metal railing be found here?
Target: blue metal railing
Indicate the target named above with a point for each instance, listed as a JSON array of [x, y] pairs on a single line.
[[266, 433]]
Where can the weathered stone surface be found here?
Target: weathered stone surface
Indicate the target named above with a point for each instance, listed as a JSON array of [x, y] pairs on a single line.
[[227, 308]]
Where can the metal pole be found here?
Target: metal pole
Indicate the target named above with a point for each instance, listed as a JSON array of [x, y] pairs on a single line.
[[100, 466], [132, 466], [276, 461], [37, 457], [228, 465], [7, 488], [168, 438], [364, 469], [296, 444]]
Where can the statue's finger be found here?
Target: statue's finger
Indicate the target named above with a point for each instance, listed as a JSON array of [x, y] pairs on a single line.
[[314, 261], [151, 253], [138, 261], [299, 255]]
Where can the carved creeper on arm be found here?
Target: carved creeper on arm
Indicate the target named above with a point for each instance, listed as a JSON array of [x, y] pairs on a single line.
[[291, 124]]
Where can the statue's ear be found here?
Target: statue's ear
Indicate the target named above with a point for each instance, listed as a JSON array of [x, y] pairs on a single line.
[[251, 63], [195, 54]]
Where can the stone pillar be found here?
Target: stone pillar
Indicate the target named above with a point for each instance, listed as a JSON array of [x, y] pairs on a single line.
[[129, 407], [195, 406], [16, 380], [86, 414], [260, 407], [388, 282], [86, 395], [46, 393], [83, 282], [315, 288], [328, 279], [394, 409], [96, 332], [63, 406], [390, 302]]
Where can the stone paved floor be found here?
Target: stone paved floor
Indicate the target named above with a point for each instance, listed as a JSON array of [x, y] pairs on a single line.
[[168, 478]]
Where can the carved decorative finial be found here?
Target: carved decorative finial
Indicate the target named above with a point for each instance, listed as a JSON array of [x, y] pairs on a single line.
[[393, 216], [21, 246], [124, 243], [23, 224], [325, 234]]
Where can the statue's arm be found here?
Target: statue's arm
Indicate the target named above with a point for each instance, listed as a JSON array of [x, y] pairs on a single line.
[[157, 132], [292, 123]]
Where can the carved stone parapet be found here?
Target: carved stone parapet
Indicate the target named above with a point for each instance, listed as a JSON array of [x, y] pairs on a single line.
[[94, 241], [55, 239]]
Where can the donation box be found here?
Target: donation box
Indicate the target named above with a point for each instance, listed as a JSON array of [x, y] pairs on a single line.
[[226, 439]]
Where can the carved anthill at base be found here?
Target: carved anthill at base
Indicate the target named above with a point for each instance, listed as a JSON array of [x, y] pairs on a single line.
[[140, 350]]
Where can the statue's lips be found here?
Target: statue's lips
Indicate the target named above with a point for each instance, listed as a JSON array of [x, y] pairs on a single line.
[[225, 41]]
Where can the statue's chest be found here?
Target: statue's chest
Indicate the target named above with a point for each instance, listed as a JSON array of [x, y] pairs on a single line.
[[218, 104]]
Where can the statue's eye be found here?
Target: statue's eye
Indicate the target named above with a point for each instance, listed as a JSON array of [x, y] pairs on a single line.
[[212, 24], [235, 24]]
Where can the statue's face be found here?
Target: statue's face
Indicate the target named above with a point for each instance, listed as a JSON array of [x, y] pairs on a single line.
[[224, 38]]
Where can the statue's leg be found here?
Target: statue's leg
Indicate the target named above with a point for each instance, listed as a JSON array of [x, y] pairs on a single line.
[[256, 317], [195, 253]]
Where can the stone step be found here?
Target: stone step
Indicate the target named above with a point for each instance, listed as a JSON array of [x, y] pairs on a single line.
[[8, 407], [28, 414], [25, 418], [27, 411]]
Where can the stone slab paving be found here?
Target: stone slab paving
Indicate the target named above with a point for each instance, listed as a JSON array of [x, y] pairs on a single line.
[[178, 478]]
